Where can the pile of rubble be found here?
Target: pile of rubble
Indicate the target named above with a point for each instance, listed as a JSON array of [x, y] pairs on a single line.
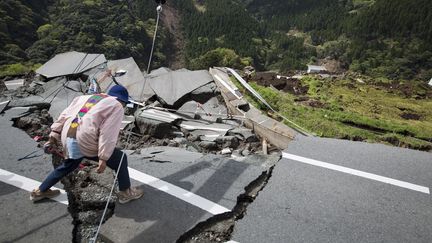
[[36, 123]]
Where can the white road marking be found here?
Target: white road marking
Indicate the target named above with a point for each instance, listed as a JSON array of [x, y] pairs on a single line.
[[2, 103], [14, 83], [28, 184], [178, 192], [359, 173]]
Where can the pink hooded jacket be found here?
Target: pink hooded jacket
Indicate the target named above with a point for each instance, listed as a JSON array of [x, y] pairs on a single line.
[[98, 130]]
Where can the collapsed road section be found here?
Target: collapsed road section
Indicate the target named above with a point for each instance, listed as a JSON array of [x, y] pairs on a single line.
[[191, 121]]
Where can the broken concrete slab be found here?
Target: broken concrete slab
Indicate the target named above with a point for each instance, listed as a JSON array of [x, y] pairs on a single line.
[[159, 71], [246, 134], [208, 145], [66, 64], [209, 111], [88, 194], [156, 123], [228, 141], [135, 82], [277, 133], [169, 154], [172, 86], [163, 218], [14, 84], [59, 94], [155, 128], [304, 203], [40, 104], [70, 63], [3, 105], [204, 93]]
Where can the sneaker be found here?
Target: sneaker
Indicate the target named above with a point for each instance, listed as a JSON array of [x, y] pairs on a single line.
[[130, 194], [37, 195]]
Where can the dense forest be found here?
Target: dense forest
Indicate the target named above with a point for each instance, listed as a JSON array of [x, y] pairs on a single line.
[[33, 31], [379, 38], [375, 37]]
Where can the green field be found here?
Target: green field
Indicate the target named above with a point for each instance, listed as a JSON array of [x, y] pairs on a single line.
[[347, 109]]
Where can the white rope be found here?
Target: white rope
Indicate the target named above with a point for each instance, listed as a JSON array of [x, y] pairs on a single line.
[[108, 201]]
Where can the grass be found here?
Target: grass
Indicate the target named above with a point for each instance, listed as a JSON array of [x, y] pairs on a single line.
[[354, 111], [17, 69]]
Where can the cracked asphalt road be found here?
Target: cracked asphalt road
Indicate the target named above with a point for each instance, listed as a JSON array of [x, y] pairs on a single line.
[[309, 203], [301, 202], [158, 216]]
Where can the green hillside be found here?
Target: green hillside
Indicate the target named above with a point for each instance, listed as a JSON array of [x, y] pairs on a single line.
[[378, 38], [33, 31]]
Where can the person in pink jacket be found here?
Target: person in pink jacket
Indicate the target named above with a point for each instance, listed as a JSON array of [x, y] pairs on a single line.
[[89, 128]]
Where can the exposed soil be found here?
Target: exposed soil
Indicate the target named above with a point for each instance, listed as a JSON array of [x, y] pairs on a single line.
[[411, 116], [289, 85], [171, 20], [313, 103], [36, 124], [24, 91], [136, 141], [409, 90], [396, 142]]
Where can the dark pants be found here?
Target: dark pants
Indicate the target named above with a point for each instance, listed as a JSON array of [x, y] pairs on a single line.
[[70, 165]]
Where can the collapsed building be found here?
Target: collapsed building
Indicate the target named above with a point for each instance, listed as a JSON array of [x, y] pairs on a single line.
[[173, 113]]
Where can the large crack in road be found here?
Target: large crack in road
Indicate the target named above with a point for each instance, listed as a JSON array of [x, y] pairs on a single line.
[[219, 228], [87, 190], [88, 194]]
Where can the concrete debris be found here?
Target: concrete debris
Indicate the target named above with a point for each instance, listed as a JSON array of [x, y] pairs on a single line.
[[169, 154], [127, 120], [228, 141], [171, 87], [29, 103], [160, 71], [14, 84], [274, 131], [35, 123], [154, 128], [134, 80], [70, 63], [59, 93], [88, 194], [219, 228], [209, 111], [209, 145], [3, 105], [245, 134], [226, 151]]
